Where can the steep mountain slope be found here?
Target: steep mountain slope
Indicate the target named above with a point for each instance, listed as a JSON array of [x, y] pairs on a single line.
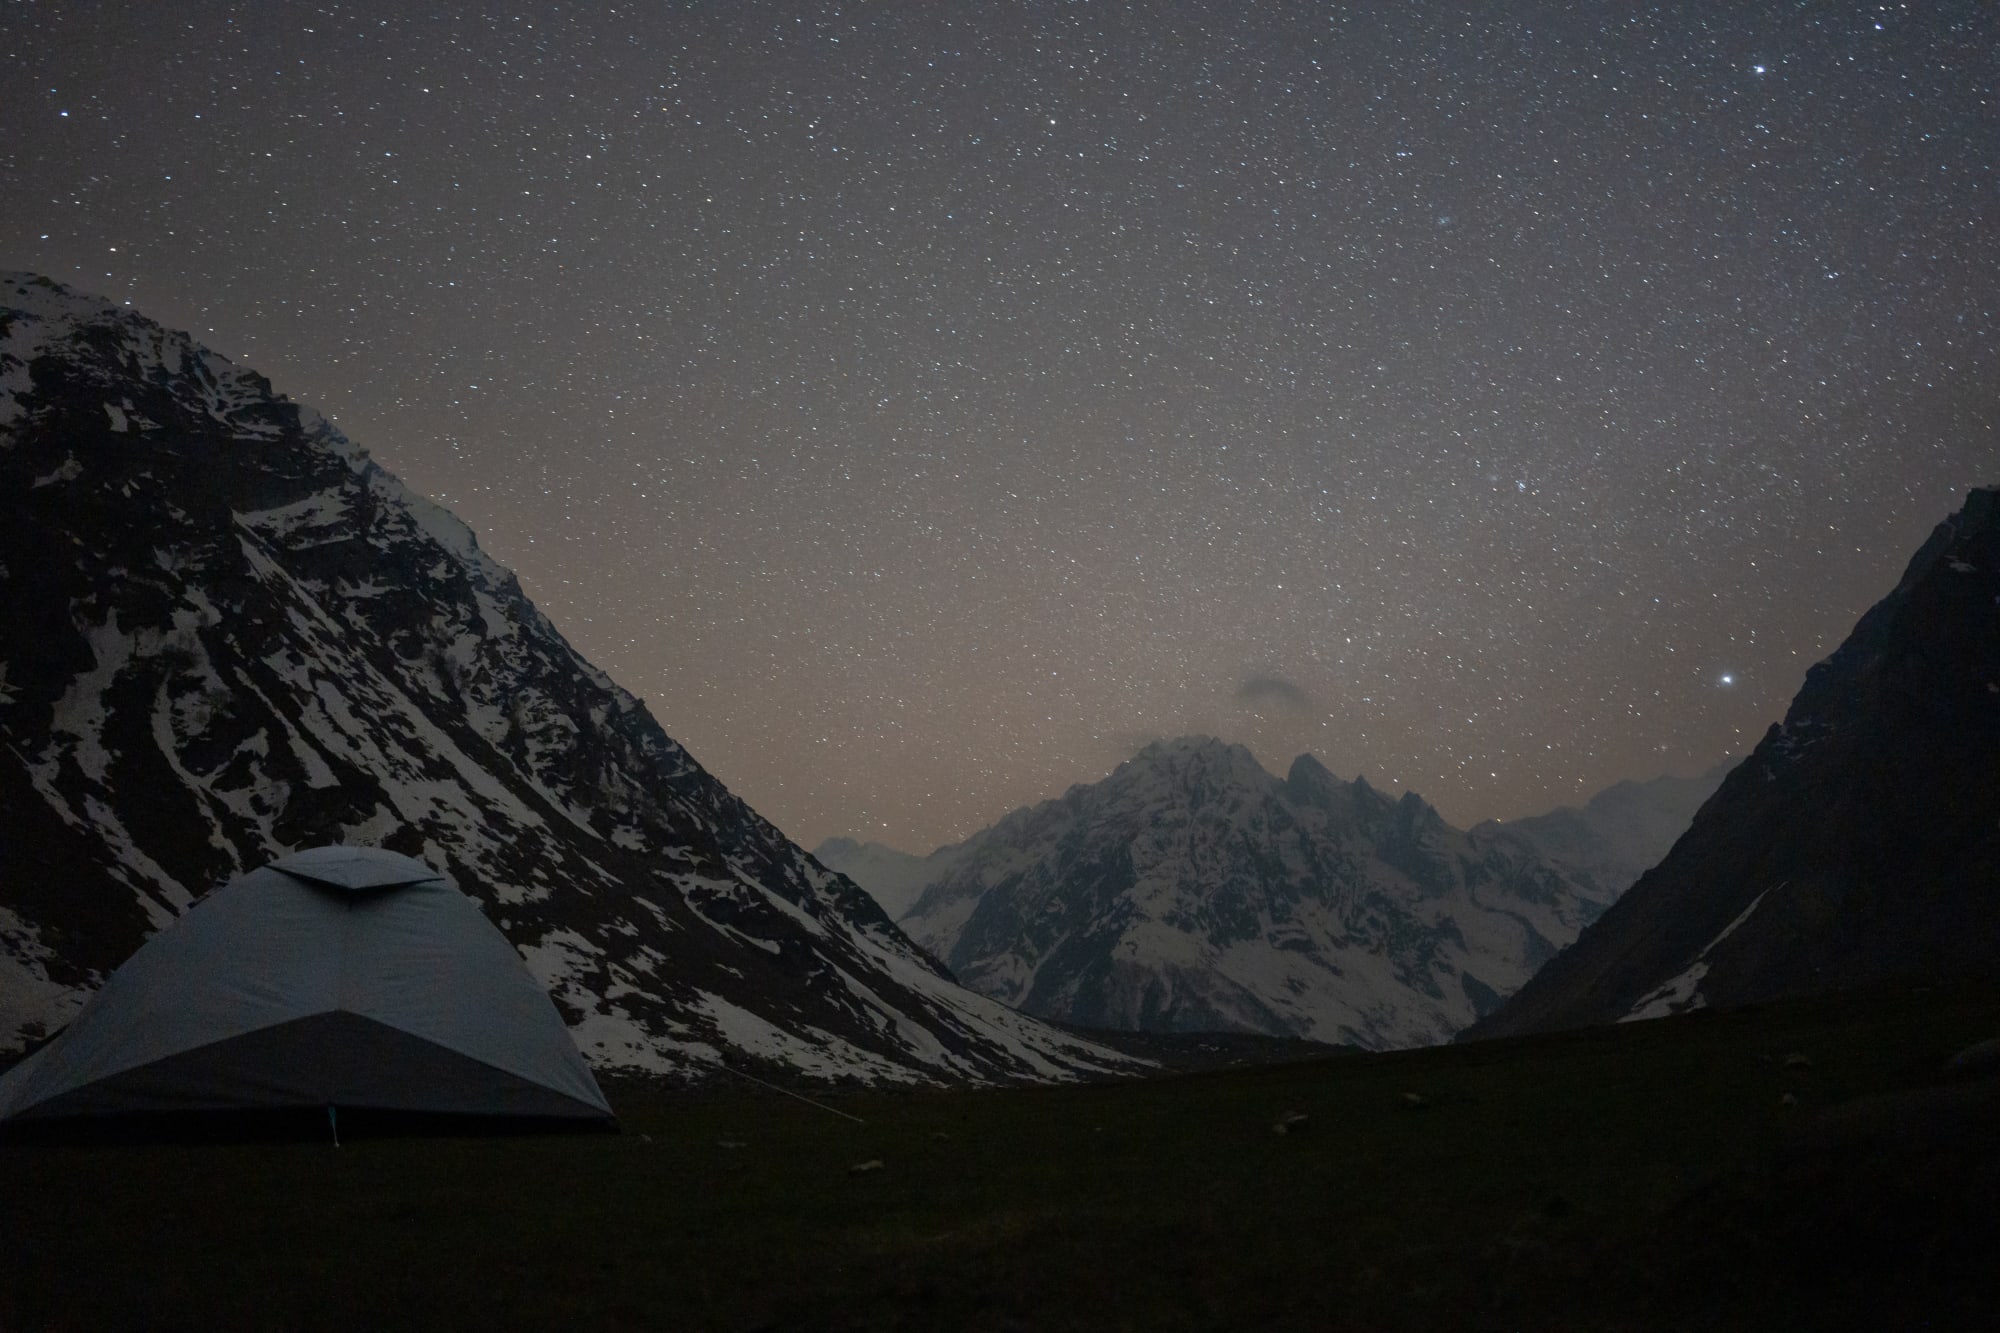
[[226, 633], [1859, 843], [1618, 834], [1192, 890]]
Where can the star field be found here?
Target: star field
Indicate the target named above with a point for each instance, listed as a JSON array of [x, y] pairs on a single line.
[[921, 406]]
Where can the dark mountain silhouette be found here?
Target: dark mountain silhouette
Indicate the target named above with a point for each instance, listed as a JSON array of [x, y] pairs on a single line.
[[1858, 844]]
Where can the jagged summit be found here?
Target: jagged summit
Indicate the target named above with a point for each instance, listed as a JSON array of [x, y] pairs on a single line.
[[44, 298], [1307, 771], [1189, 761], [1171, 749], [1190, 889], [225, 633], [1191, 764]]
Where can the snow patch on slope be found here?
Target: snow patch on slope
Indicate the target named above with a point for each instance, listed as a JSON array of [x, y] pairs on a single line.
[[1681, 994], [31, 1005], [827, 1057]]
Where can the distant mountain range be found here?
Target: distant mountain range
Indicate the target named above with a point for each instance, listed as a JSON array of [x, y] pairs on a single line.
[[226, 633], [892, 878], [1621, 832], [1191, 890], [1859, 844]]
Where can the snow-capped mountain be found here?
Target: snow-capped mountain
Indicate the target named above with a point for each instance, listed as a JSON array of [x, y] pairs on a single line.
[[226, 633], [1603, 845], [1191, 890], [1859, 843]]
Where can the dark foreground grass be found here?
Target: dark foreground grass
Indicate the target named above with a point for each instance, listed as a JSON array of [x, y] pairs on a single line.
[[1649, 1176]]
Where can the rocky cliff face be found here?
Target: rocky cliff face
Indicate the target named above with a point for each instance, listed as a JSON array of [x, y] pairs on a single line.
[[226, 633], [1191, 890], [1859, 843]]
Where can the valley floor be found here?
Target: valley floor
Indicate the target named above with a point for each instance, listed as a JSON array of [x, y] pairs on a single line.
[[1798, 1166]]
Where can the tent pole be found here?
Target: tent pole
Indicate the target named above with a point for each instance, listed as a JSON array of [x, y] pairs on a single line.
[[333, 1123]]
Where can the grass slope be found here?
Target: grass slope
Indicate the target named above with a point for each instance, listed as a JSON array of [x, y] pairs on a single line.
[[1647, 1176]]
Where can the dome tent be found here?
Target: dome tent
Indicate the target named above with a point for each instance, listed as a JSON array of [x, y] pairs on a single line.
[[339, 978]]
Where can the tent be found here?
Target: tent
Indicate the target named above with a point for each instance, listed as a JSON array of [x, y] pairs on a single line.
[[335, 980]]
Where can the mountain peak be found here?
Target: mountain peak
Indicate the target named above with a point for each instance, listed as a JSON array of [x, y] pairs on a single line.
[[1307, 769], [1192, 890], [1416, 809], [1189, 746], [45, 298], [1311, 783], [1194, 758]]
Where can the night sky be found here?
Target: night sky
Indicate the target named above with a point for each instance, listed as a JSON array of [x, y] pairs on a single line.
[[923, 405]]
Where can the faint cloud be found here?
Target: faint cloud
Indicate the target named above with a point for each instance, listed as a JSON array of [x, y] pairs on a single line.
[[1265, 691]]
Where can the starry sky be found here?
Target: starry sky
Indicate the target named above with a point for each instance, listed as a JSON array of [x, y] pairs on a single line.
[[923, 405]]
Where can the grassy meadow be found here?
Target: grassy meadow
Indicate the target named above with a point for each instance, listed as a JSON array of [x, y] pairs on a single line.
[[1803, 1165]]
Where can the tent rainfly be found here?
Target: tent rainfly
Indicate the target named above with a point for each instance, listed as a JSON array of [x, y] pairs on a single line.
[[339, 978]]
